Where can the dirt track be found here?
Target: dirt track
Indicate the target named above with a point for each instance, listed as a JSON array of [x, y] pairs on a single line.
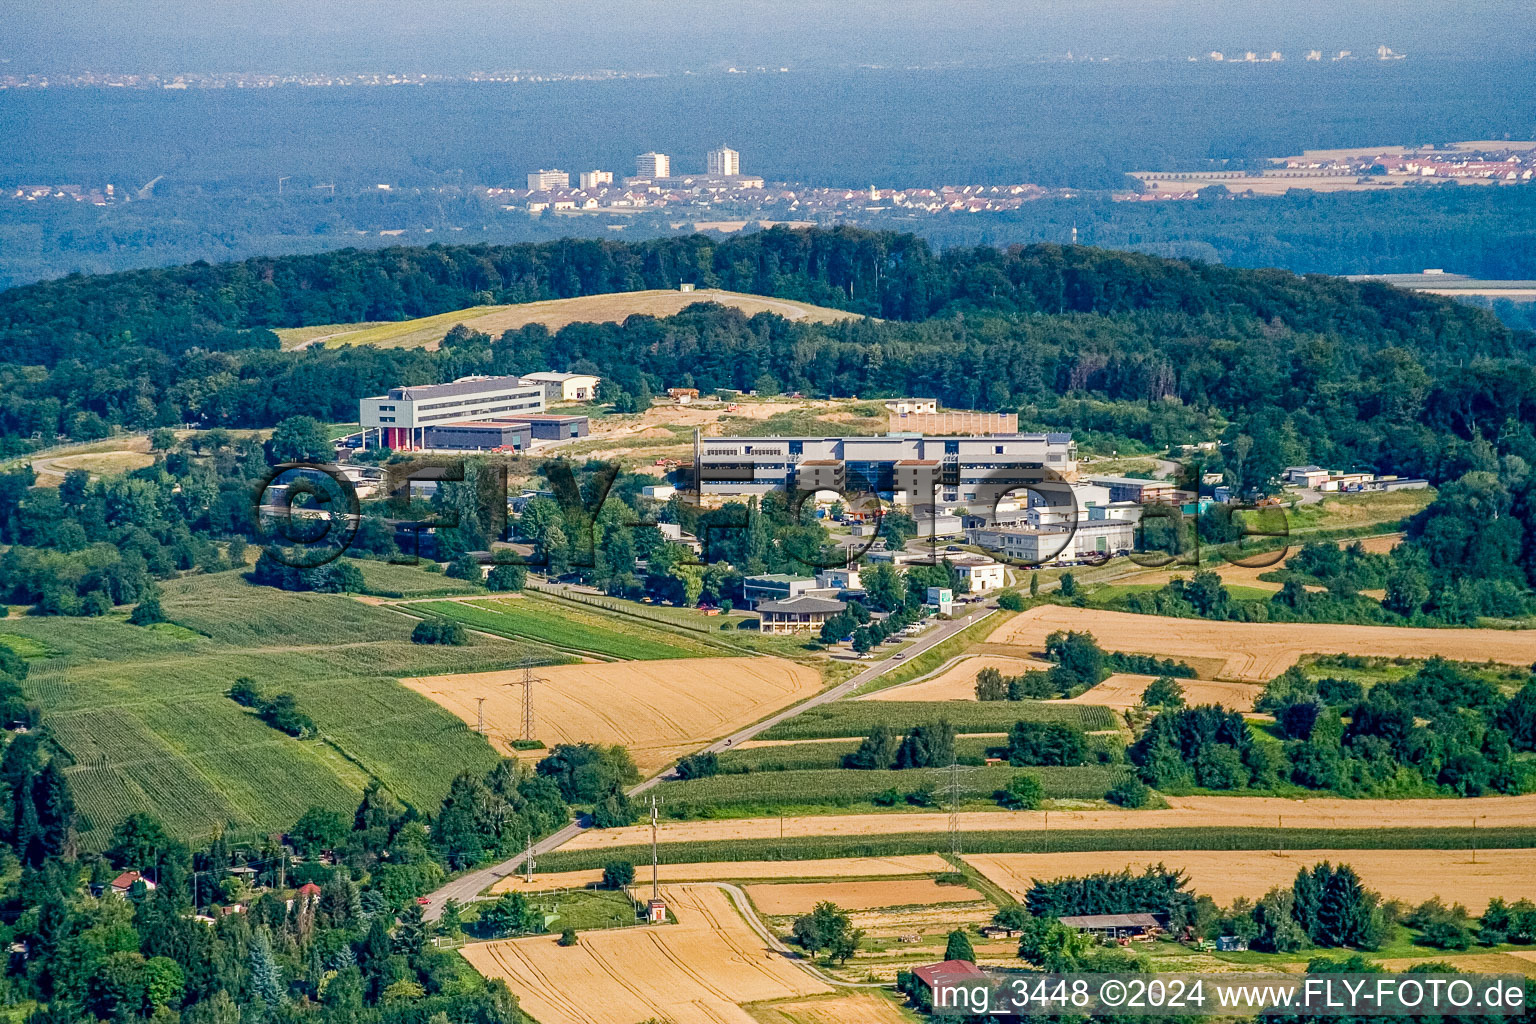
[[1412, 876], [697, 971], [1254, 652], [1182, 812], [658, 709]]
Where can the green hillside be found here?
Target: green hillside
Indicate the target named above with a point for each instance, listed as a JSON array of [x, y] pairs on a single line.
[[143, 715]]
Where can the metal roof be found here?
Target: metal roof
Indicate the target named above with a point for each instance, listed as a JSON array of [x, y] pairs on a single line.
[[1111, 921]]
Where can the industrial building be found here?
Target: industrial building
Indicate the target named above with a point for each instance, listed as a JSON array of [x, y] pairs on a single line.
[[1094, 539], [479, 437], [566, 387], [472, 414], [947, 473], [402, 415], [554, 428]]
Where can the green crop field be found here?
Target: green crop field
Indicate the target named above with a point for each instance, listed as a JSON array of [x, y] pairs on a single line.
[[142, 715], [811, 754], [1150, 840], [382, 579], [740, 795], [858, 717], [570, 628]]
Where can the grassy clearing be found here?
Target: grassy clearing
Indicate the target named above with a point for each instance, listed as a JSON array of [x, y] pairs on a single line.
[[226, 608], [1170, 840], [690, 619], [747, 795], [938, 654], [857, 718], [565, 626]]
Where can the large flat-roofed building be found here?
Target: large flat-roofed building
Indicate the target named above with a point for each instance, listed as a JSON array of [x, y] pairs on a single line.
[[948, 473], [723, 162], [480, 437], [548, 181], [595, 179], [653, 165], [1099, 538], [404, 413], [551, 427]]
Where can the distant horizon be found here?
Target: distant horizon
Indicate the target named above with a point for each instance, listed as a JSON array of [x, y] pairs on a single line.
[[459, 36]]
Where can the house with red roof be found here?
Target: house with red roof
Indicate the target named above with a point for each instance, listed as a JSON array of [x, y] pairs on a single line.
[[123, 882]]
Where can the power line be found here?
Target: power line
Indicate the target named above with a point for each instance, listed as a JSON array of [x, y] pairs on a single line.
[[954, 770]]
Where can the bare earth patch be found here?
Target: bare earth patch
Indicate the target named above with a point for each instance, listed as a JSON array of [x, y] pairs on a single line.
[[698, 971], [1258, 652], [660, 710], [1412, 876], [847, 1008]]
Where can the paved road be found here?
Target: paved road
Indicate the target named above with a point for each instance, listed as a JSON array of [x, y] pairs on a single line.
[[466, 887]]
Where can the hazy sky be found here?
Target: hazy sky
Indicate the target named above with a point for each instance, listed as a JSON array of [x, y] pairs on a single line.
[[461, 35]]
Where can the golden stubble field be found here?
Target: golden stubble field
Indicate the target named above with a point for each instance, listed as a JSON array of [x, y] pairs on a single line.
[[660, 710], [697, 971], [613, 307], [792, 870], [1412, 876], [1120, 691], [1248, 576], [781, 899], [1256, 652], [1181, 812]]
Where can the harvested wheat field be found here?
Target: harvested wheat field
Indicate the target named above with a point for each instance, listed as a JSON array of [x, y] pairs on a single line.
[[1412, 876], [697, 971], [1123, 690], [847, 867], [845, 1008], [958, 682], [1182, 812], [660, 710], [802, 897], [1257, 652], [1516, 961], [427, 332]]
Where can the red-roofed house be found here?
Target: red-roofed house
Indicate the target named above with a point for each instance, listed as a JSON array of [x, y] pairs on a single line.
[[123, 882], [950, 973]]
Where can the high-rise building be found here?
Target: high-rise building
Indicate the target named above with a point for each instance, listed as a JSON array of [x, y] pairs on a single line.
[[546, 181], [653, 165], [595, 179], [724, 162]]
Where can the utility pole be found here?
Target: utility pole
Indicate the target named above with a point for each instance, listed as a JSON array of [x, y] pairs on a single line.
[[954, 770], [655, 871], [480, 714], [1474, 840], [528, 859], [527, 684]]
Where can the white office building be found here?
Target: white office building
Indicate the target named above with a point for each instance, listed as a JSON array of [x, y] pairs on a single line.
[[948, 474], [402, 416], [595, 179], [548, 181], [723, 162], [1093, 539], [653, 165]]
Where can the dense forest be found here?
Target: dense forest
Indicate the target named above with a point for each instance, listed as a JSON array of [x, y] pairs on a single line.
[[1126, 346]]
